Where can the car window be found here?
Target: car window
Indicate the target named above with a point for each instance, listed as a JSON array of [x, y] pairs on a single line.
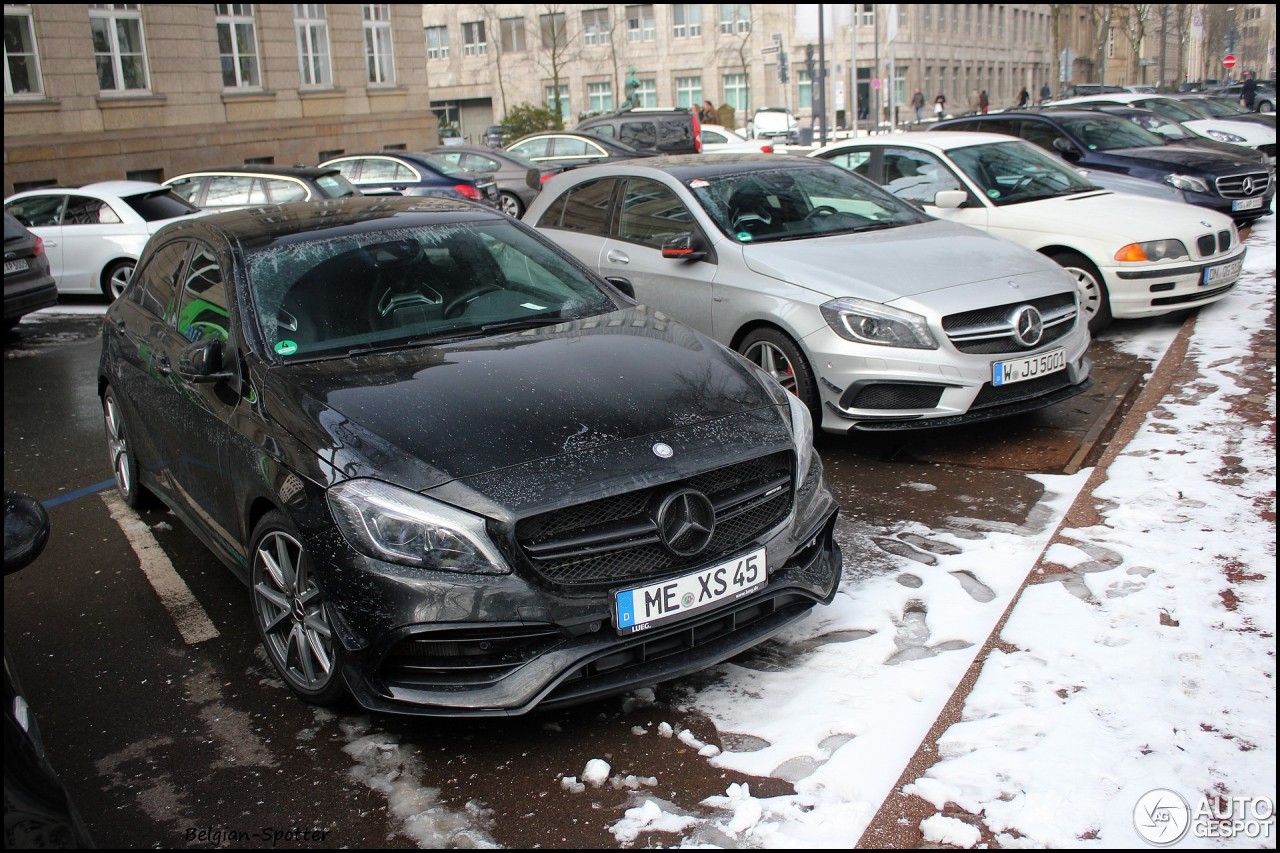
[[916, 175], [443, 167], [568, 146], [1013, 172], [713, 137], [232, 190], [584, 208], [336, 186], [349, 169], [532, 147], [476, 163], [606, 130], [37, 210], [160, 204], [203, 313], [674, 134], [379, 170], [651, 213], [453, 157], [1038, 133], [639, 134], [187, 189], [83, 210], [155, 284], [1108, 133], [281, 191], [857, 161]]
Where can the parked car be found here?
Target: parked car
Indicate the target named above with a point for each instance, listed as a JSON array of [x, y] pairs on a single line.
[[28, 285], [1264, 99], [1225, 107], [875, 315], [775, 123], [413, 174], [568, 149], [497, 135], [1130, 257], [1175, 133], [518, 180], [660, 131], [1236, 185], [93, 234], [230, 187], [460, 473], [38, 811], [722, 140]]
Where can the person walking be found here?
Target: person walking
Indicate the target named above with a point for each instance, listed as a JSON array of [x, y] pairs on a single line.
[[940, 106], [974, 103], [917, 104], [1249, 91], [1024, 98], [1045, 92], [984, 103], [707, 115]]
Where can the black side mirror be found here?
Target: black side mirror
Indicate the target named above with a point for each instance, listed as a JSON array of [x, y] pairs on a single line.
[[622, 284], [202, 362], [26, 530], [683, 247], [1065, 147]]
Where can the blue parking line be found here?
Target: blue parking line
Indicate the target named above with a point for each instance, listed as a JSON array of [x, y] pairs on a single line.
[[78, 493]]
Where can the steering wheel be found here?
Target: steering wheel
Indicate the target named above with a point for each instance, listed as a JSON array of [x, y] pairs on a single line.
[[457, 306], [821, 210]]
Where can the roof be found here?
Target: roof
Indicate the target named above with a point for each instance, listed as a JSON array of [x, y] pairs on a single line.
[[942, 140], [687, 166], [124, 188], [299, 171]]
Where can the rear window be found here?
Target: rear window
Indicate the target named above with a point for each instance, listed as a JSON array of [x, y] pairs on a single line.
[[159, 205], [336, 186]]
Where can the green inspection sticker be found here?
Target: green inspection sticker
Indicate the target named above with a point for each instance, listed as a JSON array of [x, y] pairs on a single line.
[[286, 348], [744, 237]]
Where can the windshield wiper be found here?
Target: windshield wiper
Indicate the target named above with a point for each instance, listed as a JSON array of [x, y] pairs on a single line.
[[517, 323]]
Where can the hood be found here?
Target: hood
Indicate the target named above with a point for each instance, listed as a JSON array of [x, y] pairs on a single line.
[[1252, 132], [422, 417], [887, 265], [1116, 218], [1163, 157]]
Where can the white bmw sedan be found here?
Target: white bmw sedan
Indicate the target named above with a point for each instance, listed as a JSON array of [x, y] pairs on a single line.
[[1130, 256]]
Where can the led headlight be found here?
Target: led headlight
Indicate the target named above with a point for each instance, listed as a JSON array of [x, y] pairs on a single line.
[[1223, 136], [1187, 182], [388, 523], [867, 322], [1152, 250]]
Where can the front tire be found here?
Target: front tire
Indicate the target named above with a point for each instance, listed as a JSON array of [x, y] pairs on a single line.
[[292, 615], [124, 465], [779, 356], [1095, 299], [115, 277]]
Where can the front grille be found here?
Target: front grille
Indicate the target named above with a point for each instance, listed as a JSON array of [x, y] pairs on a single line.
[[1224, 241], [999, 395], [468, 657], [1205, 245], [615, 539], [1246, 185], [990, 330], [884, 395]]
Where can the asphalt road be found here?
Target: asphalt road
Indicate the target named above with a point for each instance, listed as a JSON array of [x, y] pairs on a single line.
[[172, 735]]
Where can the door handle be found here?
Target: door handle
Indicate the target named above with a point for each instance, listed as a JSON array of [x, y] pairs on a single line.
[[49, 244], [618, 257], [162, 366]]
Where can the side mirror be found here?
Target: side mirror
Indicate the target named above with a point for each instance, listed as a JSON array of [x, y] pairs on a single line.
[[950, 199], [26, 530], [683, 247], [1065, 147], [622, 284], [202, 362]]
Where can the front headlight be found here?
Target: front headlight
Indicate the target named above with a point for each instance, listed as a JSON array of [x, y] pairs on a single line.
[[801, 435], [1187, 182], [1152, 250], [389, 523], [1223, 136], [865, 322]]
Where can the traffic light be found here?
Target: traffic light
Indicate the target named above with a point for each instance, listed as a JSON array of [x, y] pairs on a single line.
[[783, 75], [808, 61]]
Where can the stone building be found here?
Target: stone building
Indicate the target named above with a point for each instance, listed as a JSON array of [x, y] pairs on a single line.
[[146, 91]]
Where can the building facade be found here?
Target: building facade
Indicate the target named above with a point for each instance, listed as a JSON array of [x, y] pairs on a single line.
[[146, 91]]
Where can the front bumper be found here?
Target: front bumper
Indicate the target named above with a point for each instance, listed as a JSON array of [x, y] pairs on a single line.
[[1155, 290]]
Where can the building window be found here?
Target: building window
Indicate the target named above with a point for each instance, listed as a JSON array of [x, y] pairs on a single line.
[[437, 43], [313, 44], [595, 26], [117, 46], [903, 10], [564, 100], [737, 92], [21, 63], [640, 24], [600, 97], [735, 17], [689, 92], [686, 20], [554, 34], [237, 45], [928, 16], [804, 88], [379, 58], [512, 35], [646, 94], [473, 41]]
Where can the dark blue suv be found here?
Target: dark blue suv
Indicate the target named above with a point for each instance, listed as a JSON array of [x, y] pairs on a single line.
[[413, 173], [1232, 184]]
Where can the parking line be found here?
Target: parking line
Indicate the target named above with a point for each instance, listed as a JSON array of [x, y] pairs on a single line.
[[192, 621], [78, 493]]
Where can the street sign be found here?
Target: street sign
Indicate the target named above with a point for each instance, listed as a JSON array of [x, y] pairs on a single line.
[[875, 83], [773, 48], [1229, 61]]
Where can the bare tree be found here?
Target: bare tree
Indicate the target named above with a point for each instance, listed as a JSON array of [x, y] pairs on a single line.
[[1135, 19], [559, 49], [494, 23]]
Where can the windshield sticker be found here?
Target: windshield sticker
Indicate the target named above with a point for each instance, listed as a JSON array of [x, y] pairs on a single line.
[[744, 236], [533, 307], [993, 193], [699, 183], [286, 348]]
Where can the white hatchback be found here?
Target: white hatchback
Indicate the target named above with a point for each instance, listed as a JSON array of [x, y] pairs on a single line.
[[94, 234], [1130, 256]]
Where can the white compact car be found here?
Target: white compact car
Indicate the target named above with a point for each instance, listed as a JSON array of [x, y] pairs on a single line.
[[1130, 256], [95, 233], [722, 140]]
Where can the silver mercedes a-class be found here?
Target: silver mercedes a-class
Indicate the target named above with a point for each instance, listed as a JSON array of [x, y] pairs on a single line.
[[876, 315]]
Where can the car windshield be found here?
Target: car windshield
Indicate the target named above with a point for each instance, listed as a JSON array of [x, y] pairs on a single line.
[[1221, 107], [161, 204], [1110, 133], [336, 186], [1176, 110], [1015, 172], [406, 287], [791, 203], [1166, 128]]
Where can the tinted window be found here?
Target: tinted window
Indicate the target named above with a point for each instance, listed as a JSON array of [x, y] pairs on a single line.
[[203, 314], [155, 285], [587, 207], [651, 213], [82, 210], [36, 211], [605, 130], [159, 205], [1039, 133], [639, 134], [674, 134], [282, 191], [1108, 133]]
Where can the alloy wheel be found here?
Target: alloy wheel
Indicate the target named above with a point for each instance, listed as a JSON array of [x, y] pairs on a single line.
[[510, 205], [773, 361], [118, 446], [291, 613]]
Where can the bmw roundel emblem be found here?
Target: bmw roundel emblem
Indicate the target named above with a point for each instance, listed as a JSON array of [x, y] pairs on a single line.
[[663, 451]]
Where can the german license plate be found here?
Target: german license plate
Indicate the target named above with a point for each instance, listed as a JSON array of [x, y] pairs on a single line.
[[1222, 273], [1022, 369], [645, 607], [15, 266], [1247, 203]]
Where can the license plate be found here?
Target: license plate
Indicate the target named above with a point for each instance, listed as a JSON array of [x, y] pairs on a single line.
[[1222, 273], [15, 266], [645, 607], [1247, 203], [1022, 369]]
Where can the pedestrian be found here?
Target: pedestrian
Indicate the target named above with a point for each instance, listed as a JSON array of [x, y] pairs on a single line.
[[917, 104], [984, 103], [973, 101], [1024, 98], [940, 106], [707, 115], [1045, 92], [1249, 91]]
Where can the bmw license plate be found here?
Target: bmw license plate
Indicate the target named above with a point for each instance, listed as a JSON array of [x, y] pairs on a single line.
[[1247, 203], [1022, 369], [1222, 273], [645, 607], [15, 266]]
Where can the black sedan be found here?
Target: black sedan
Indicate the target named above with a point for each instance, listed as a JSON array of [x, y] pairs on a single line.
[[413, 173], [28, 284], [460, 473], [567, 149], [518, 180]]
